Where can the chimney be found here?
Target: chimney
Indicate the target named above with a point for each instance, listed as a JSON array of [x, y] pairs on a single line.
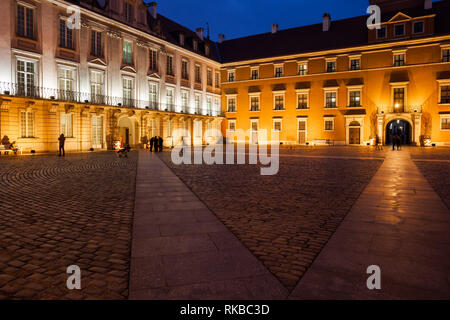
[[221, 37], [200, 33], [428, 4], [274, 28], [152, 9], [326, 22]]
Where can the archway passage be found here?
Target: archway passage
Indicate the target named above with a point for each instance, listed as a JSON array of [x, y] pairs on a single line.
[[126, 131], [400, 128]]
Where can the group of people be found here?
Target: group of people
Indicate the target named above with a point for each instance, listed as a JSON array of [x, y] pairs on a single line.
[[9, 145], [156, 144], [396, 141]]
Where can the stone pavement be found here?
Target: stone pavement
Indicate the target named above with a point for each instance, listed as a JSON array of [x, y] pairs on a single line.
[[180, 250], [400, 224]]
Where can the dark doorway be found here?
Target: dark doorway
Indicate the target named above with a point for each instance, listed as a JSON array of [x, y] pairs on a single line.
[[400, 128]]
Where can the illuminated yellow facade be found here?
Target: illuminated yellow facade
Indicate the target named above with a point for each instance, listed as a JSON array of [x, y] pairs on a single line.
[[349, 95]]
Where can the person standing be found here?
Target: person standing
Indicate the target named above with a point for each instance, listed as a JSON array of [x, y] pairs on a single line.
[[399, 142], [394, 142], [152, 142], [160, 141], [62, 142]]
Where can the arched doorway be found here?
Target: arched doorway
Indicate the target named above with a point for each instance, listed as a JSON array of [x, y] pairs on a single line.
[[354, 133], [126, 131], [399, 127]]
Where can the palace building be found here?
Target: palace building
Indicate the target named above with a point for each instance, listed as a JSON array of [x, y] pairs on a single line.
[[124, 73], [127, 73], [342, 83]]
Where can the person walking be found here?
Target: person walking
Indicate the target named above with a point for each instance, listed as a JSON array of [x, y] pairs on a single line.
[[394, 142], [152, 142], [399, 142], [62, 142], [160, 142]]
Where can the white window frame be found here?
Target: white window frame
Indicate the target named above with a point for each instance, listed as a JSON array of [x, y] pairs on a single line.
[[355, 89], [155, 94], [277, 120], [302, 63], [328, 60], [356, 57], [209, 76], [305, 120], [232, 121], [251, 73], [276, 66], [127, 47], [443, 48], [36, 71], [229, 72], [184, 101], [198, 103], [231, 97], [397, 53], [94, 132], [279, 94], [399, 86], [66, 127], [442, 84], [173, 104], [27, 124], [254, 95], [102, 85], [325, 119], [440, 122], [75, 77], [209, 105], [330, 90], [302, 92]]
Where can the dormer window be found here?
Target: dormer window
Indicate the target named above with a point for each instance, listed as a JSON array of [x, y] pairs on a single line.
[[399, 30], [418, 27], [381, 33], [206, 50], [195, 45], [181, 39], [446, 55], [331, 66], [128, 12], [278, 71], [25, 24]]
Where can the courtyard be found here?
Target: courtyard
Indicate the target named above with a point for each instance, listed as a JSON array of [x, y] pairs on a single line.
[[88, 210]]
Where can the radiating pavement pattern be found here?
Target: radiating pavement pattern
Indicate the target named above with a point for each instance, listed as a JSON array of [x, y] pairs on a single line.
[[180, 250], [399, 224]]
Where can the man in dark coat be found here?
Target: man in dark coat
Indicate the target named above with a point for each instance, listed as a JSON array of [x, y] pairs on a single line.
[[160, 142], [152, 142], [62, 141]]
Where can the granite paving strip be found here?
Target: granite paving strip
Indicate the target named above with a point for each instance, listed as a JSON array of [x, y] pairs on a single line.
[[180, 250], [400, 224]]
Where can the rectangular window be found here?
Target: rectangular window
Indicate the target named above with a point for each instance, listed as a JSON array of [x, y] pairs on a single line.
[[446, 55], [198, 74], [399, 30], [302, 69], [66, 81], [25, 22], [97, 131], [153, 60], [198, 104], [209, 106], [254, 103], [331, 66], [184, 101], [96, 44], [329, 124], [128, 52], [232, 125], [399, 60], [418, 27], [278, 72], [209, 77], [129, 13], [97, 87], [65, 35], [355, 98], [127, 92], [381, 33], [302, 99], [231, 76], [445, 123], [231, 104], [170, 66], [184, 70], [277, 125], [170, 99], [27, 124], [217, 79], [216, 107], [355, 64], [399, 99], [330, 100], [445, 94], [279, 102], [66, 125], [255, 74], [153, 95], [26, 77]]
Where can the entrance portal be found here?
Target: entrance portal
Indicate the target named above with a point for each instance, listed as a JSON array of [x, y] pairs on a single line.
[[354, 133], [400, 128]]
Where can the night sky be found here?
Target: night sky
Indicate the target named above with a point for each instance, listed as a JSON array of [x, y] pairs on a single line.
[[238, 18]]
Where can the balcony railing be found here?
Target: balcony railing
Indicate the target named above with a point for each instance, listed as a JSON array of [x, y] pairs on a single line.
[[399, 109], [13, 89]]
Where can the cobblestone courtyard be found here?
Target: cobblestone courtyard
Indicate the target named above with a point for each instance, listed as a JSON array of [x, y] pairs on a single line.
[[57, 212], [284, 220]]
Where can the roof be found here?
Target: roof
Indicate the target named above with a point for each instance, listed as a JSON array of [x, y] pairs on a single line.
[[162, 27], [346, 33]]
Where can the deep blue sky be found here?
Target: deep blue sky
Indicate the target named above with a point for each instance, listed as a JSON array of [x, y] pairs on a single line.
[[238, 18]]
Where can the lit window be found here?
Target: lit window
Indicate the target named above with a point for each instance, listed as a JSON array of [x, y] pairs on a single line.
[[278, 72], [302, 101], [399, 99], [302, 69], [279, 102], [198, 103], [399, 60], [231, 104], [254, 103], [355, 64], [66, 125], [329, 124], [355, 98], [128, 52], [331, 66], [331, 99], [445, 123], [208, 105], [255, 74], [170, 98], [445, 94]]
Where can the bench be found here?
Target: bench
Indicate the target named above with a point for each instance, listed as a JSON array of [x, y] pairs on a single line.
[[322, 143], [3, 150]]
